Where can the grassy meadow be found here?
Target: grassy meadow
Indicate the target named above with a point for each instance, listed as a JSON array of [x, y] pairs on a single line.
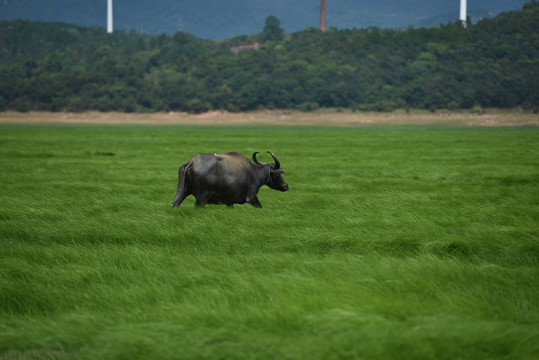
[[393, 242]]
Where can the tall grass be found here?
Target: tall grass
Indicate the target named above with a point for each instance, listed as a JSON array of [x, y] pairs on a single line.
[[393, 242]]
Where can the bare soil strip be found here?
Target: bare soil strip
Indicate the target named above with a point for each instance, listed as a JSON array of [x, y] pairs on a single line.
[[282, 117]]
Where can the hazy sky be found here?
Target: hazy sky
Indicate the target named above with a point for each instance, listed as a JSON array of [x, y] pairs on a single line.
[[227, 18]]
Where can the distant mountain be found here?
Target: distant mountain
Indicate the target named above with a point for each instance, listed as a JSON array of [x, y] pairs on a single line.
[[219, 19]]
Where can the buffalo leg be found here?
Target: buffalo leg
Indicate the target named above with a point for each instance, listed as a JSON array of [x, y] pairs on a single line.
[[254, 201], [202, 198]]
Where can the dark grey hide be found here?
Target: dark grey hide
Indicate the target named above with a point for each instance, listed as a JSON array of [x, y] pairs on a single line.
[[227, 179]]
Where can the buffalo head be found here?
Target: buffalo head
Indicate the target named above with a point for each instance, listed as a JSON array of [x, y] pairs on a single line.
[[275, 175]]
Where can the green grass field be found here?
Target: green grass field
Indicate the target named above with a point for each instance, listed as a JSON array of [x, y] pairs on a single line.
[[404, 242]]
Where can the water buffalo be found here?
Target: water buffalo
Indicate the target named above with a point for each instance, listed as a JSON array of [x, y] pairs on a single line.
[[227, 179]]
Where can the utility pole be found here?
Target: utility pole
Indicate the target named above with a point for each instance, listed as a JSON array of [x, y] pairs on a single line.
[[109, 16], [463, 12]]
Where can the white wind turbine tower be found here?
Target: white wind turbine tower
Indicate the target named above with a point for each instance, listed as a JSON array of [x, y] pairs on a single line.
[[462, 16], [109, 16]]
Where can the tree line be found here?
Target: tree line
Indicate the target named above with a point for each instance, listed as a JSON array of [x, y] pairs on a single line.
[[60, 67]]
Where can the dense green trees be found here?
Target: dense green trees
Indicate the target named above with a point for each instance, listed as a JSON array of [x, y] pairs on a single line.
[[57, 67], [272, 30]]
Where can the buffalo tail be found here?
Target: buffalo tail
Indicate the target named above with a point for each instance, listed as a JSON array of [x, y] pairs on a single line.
[[180, 193]]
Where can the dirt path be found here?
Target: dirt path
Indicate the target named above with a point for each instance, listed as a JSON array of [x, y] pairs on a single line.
[[281, 117]]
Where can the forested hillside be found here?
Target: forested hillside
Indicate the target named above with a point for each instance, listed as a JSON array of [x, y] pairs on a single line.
[[53, 66]]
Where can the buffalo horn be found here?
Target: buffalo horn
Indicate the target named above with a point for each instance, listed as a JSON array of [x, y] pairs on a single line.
[[255, 159], [277, 163]]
